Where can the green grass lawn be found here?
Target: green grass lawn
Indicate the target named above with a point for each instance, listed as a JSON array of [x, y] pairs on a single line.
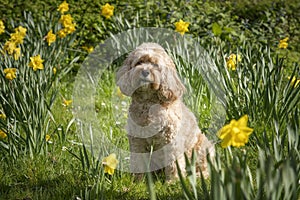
[[46, 150]]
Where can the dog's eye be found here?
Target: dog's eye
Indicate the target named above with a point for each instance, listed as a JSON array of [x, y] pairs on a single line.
[[155, 65], [138, 63]]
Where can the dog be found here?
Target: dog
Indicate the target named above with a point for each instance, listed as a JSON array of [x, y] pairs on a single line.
[[160, 127]]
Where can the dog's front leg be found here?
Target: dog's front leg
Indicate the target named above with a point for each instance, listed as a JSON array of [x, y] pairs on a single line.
[[139, 158], [171, 171]]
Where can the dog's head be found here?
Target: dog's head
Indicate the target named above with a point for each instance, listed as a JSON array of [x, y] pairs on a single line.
[[150, 69]]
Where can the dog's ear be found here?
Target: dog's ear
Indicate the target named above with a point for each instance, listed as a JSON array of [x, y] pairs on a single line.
[[171, 86], [123, 79]]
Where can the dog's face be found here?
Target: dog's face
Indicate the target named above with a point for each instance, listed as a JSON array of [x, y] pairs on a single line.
[[150, 69]]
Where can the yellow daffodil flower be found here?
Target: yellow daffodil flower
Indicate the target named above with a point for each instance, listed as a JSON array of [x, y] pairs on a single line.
[[18, 36], [54, 70], [232, 61], [36, 62], [2, 135], [2, 27], [67, 102], [70, 28], [88, 49], [181, 27], [110, 164], [63, 7], [2, 116], [295, 82], [9, 47], [21, 30], [47, 137], [50, 37], [66, 20], [236, 133], [10, 73], [107, 11], [17, 53], [283, 43], [62, 33]]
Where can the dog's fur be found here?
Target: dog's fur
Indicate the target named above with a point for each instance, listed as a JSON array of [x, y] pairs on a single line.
[[158, 120]]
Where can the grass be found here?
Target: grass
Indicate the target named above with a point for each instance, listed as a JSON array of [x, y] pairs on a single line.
[[69, 164]]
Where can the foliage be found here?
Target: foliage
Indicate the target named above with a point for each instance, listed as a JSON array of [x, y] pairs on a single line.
[[41, 156], [275, 177], [27, 99]]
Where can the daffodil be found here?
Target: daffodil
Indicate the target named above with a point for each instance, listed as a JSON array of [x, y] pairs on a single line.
[[107, 11], [283, 43], [63, 7], [21, 30], [236, 133], [47, 137], [54, 70], [10, 73], [17, 53], [231, 64], [294, 82], [2, 27], [67, 102], [50, 37], [66, 20], [18, 36], [70, 28], [232, 61], [62, 33], [89, 49], [110, 164], [2, 116], [181, 27], [36, 62], [3, 135], [9, 47]]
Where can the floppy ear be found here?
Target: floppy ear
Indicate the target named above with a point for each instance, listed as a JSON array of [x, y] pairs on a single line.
[[171, 87], [123, 78]]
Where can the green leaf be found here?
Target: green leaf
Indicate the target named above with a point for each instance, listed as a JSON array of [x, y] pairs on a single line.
[[216, 29]]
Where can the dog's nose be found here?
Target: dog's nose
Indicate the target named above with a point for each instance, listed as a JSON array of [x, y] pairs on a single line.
[[145, 72]]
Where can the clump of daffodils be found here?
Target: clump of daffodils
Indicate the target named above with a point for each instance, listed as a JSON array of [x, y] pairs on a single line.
[[66, 21], [68, 25], [11, 47]]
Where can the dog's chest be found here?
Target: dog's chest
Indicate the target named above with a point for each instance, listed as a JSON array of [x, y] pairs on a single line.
[[145, 114], [153, 122], [139, 113]]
